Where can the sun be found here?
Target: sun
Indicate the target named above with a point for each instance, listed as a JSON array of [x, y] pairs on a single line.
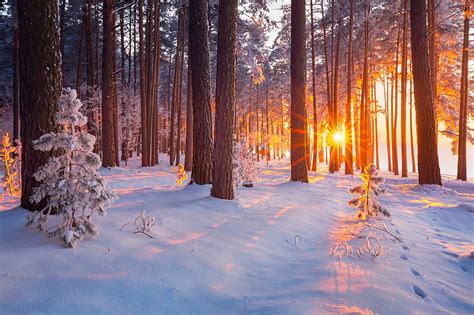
[[338, 137]]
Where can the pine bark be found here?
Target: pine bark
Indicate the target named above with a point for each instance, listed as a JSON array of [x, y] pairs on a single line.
[[108, 141], [201, 87], [299, 170], [188, 156], [403, 109], [314, 165], [428, 163], [16, 84], [464, 97], [348, 166], [222, 183], [39, 84]]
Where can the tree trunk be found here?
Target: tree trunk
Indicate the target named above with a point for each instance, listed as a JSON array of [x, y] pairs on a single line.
[[188, 157], [314, 166], [387, 122], [403, 108], [180, 94], [79, 64], [336, 146], [176, 88], [39, 85], [222, 183], [16, 85], [463, 111], [348, 166], [413, 161], [433, 57], [143, 78], [299, 170], [395, 110], [365, 106], [201, 87], [428, 163], [108, 143]]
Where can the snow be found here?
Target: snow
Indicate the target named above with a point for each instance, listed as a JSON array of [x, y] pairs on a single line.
[[265, 252]]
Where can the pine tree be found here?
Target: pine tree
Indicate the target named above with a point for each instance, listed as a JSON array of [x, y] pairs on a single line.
[[299, 169], [40, 83], [367, 203], [222, 186], [69, 182], [428, 163], [201, 91]]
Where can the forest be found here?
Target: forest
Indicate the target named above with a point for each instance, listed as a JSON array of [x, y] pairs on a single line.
[[224, 156]]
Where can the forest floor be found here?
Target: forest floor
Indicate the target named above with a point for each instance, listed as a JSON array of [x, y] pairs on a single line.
[[268, 251]]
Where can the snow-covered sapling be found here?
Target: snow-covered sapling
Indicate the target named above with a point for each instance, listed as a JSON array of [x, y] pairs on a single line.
[[69, 182], [368, 192], [243, 161]]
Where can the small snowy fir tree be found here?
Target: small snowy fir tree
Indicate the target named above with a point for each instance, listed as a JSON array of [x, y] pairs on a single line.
[[69, 182], [9, 156], [181, 174], [244, 164], [367, 203]]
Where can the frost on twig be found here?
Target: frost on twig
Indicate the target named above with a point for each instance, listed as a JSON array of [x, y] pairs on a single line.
[[356, 238], [143, 224]]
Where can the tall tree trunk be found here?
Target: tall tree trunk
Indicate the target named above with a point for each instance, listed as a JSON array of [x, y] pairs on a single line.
[[16, 84], [314, 166], [376, 125], [403, 108], [365, 105], [89, 48], [143, 92], [79, 64], [299, 170], [180, 94], [428, 163], [201, 78], [156, 82], [348, 166], [222, 183], [39, 85], [335, 148], [395, 110], [387, 122], [433, 57], [188, 157], [464, 97], [108, 143], [176, 88], [413, 161]]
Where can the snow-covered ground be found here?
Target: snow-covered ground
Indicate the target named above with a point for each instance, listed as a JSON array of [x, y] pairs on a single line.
[[268, 251]]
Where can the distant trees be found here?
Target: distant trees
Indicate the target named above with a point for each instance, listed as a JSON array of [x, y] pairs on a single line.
[[222, 183], [428, 163], [40, 81], [299, 169]]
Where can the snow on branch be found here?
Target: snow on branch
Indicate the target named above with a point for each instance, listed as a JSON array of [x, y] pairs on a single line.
[[367, 192]]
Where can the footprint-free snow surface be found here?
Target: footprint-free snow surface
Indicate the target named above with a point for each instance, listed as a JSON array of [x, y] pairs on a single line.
[[267, 251]]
